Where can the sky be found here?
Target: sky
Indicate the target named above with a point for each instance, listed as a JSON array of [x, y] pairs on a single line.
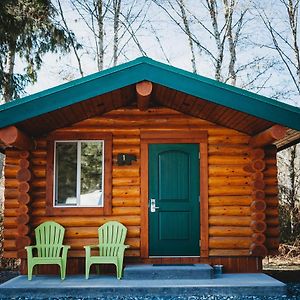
[[169, 45]]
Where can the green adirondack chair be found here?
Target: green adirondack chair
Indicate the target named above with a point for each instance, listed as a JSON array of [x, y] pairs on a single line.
[[49, 248], [111, 247]]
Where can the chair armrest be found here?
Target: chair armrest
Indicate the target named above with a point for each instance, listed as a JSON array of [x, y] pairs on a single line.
[[29, 251], [65, 249], [88, 249]]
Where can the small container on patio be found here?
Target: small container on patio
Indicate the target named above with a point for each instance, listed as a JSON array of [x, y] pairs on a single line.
[[218, 269]]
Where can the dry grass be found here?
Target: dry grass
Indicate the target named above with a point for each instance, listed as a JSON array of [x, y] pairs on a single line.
[[288, 258]]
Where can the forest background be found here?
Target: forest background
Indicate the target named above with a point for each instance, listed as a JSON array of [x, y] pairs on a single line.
[[252, 44]]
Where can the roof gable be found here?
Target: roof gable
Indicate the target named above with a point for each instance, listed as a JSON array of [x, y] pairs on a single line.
[[144, 68]]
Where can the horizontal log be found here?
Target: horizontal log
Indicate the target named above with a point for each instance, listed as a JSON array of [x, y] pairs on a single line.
[[130, 191], [39, 172], [227, 160], [92, 232], [232, 190], [258, 238], [126, 211], [10, 222], [17, 161], [38, 183], [229, 200], [74, 221], [10, 233], [133, 149], [258, 216], [272, 221], [23, 187], [22, 219], [38, 203], [228, 170], [126, 141], [229, 180], [24, 175], [11, 183], [272, 212], [81, 253], [271, 181], [128, 201], [135, 181], [228, 150], [258, 226], [268, 136], [258, 250], [258, 205], [11, 152], [23, 198], [273, 232], [270, 171], [10, 254], [229, 211], [272, 243], [9, 245], [39, 161], [271, 190], [229, 220], [10, 212], [23, 229], [229, 252], [258, 195], [22, 242], [11, 194], [77, 244], [257, 165], [126, 171], [38, 152], [257, 153], [233, 231], [228, 139], [10, 171], [11, 203], [23, 209], [257, 176], [230, 242], [258, 184], [13, 137], [38, 193]]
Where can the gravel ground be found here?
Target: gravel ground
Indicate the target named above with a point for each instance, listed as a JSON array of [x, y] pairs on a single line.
[[6, 275]]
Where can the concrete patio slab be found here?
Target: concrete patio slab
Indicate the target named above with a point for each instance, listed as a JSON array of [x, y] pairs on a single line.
[[105, 285]]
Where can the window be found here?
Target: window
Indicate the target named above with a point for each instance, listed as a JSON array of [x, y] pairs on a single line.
[[79, 172]]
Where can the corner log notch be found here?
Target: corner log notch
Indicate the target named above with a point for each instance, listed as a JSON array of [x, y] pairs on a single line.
[[13, 137], [143, 91], [268, 136]]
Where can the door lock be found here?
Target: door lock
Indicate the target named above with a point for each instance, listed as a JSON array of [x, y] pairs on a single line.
[[153, 208]]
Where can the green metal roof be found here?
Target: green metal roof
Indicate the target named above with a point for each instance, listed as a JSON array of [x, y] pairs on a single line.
[[144, 68]]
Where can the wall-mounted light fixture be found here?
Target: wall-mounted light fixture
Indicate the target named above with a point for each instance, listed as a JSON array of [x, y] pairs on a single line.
[[125, 159]]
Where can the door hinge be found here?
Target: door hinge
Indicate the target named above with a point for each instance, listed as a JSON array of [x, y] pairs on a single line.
[[199, 155], [199, 243], [199, 199]]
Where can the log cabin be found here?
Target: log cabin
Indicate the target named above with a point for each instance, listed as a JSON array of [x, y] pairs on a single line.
[[186, 163]]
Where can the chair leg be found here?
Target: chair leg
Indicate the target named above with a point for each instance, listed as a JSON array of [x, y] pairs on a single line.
[[87, 270], [29, 271], [62, 271]]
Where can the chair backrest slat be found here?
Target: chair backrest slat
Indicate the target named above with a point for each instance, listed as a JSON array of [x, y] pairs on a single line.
[[111, 235], [49, 238]]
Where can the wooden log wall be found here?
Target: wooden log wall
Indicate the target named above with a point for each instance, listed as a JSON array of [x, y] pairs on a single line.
[[234, 193], [16, 209]]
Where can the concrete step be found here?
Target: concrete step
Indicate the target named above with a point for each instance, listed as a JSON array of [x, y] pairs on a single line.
[[155, 271]]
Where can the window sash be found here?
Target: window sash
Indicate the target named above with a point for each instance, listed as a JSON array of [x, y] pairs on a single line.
[[78, 173]]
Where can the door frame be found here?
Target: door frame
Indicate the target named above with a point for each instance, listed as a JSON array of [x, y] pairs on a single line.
[[175, 137]]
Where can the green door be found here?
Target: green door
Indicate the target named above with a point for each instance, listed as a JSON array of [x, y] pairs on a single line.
[[174, 223]]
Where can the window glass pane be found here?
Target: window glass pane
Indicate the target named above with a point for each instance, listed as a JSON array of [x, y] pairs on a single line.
[[66, 173], [91, 188]]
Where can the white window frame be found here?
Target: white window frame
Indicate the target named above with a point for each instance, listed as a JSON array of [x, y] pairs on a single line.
[[78, 173]]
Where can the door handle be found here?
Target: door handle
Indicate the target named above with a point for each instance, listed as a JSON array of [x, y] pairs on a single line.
[[153, 208]]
